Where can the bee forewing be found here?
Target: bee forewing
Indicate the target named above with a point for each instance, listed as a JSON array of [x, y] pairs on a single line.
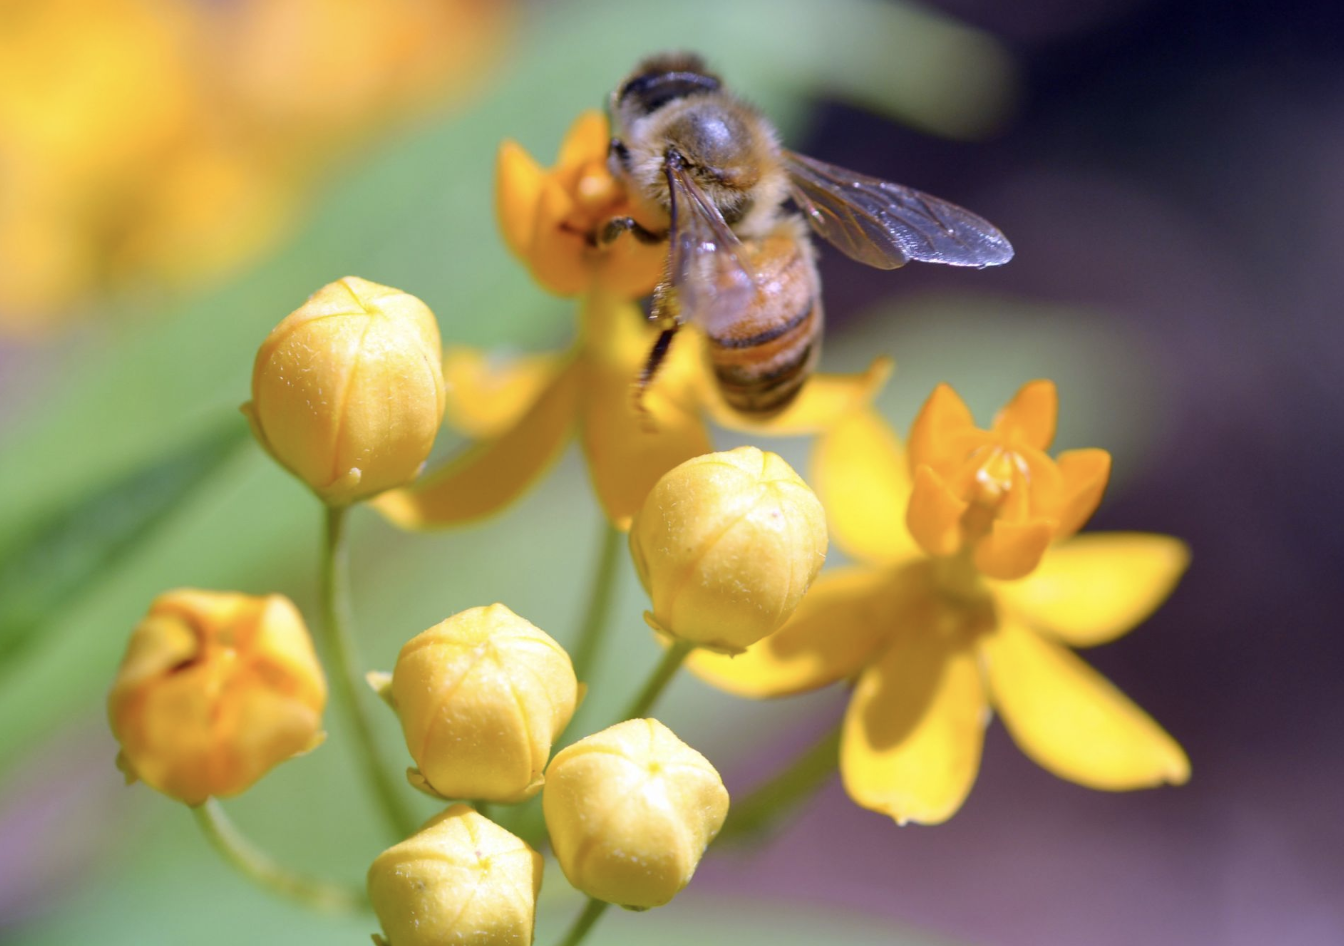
[[886, 225], [712, 281]]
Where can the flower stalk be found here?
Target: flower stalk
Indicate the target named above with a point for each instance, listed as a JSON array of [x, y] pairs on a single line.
[[784, 792], [347, 682], [590, 915], [597, 614], [662, 675], [258, 866]]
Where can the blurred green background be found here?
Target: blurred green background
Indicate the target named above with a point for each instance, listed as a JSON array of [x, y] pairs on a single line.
[[1127, 291]]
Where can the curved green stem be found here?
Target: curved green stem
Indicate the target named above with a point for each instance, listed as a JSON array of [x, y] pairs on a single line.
[[585, 922], [348, 684], [592, 631], [258, 867], [783, 792], [662, 675]]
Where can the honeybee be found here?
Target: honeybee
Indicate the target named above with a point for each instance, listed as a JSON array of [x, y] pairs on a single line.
[[740, 264]]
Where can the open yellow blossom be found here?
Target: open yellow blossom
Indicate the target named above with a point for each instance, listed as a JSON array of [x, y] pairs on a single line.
[[630, 811], [216, 688], [481, 697], [460, 879], [524, 412], [996, 491], [934, 645], [726, 545]]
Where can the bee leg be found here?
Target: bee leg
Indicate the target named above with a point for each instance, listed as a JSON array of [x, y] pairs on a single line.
[[650, 370], [618, 225]]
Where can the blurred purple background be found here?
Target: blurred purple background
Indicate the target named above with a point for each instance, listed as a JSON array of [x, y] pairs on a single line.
[[1180, 165]]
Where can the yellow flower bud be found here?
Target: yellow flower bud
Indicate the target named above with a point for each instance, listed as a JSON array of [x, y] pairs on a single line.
[[481, 697], [726, 545], [460, 879], [347, 392], [630, 812], [214, 690]]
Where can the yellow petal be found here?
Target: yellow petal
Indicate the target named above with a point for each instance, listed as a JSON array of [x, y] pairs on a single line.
[[914, 730], [628, 447], [1030, 415], [518, 181], [845, 616], [942, 417], [587, 140], [557, 256], [490, 475], [1094, 588], [486, 397], [826, 400], [861, 476], [1071, 720], [1084, 474], [934, 514], [1013, 549]]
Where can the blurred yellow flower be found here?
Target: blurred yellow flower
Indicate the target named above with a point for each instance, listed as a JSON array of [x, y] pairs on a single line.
[[481, 697], [165, 141], [347, 391], [630, 811], [460, 879], [934, 644], [726, 545], [216, 688]]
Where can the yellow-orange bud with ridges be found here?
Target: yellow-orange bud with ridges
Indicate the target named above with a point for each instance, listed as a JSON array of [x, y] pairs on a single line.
[[347, 391], [630, 811], [460, 879], [481, 698], [726, 545], [215, 689]]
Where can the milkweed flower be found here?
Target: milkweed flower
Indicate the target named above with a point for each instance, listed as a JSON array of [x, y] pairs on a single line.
[[216, 688], [459, 879], [523, 412], [347, 391], [481, 697], [934, 642], [630, 811], [726, 545]]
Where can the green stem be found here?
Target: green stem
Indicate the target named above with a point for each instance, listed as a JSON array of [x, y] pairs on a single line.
[[595, 619], [258, 867], [789, 788], [585, 922], [667, 668], [348, 684]]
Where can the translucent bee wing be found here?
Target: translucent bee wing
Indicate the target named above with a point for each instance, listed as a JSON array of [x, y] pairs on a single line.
[[706, 268], [886, 225]]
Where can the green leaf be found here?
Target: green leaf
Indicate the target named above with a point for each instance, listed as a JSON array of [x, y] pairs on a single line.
[[65, 552]]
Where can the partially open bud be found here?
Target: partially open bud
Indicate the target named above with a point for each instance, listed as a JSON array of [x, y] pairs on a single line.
[[214, 690], [726, 545], [630, 812], [481, 697], [347, 392], [460, 879]]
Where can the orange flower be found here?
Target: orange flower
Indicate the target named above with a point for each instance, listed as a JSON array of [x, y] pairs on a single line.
[[995, 493], [933, 644]]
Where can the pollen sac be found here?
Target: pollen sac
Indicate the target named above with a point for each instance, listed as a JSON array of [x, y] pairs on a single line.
[[347, 391], [460, 879], [481, 697], [630, 812], [726, 545], [215, 689], [995, 495]]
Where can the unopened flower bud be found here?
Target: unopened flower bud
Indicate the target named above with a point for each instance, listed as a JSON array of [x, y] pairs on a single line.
[[481, 697], [630, 812], [460, 879], [726, 545], [215, 689], [347, 391]]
